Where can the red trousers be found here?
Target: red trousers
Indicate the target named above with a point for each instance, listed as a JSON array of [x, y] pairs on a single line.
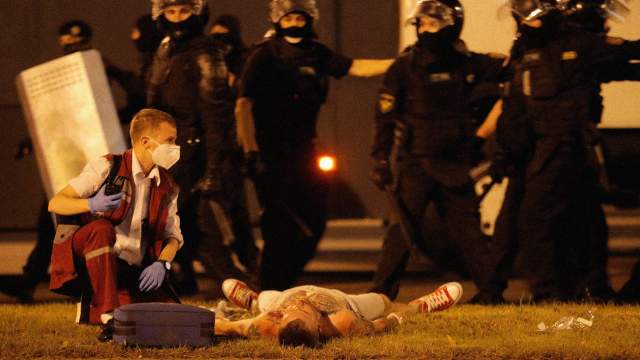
[[113, 281]]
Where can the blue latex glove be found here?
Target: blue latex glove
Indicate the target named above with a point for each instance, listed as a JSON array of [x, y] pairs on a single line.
[[152, 277], [101, 202]]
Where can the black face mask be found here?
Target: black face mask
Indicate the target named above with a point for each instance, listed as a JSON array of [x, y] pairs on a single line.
[[438, 42], [182, 30], [551, 26], [224, 38], [296, 32]]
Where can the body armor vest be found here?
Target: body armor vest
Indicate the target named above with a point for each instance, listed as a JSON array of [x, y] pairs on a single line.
[[182, 76], [303, 76], [436, 106], [556, 84], [286, 113]]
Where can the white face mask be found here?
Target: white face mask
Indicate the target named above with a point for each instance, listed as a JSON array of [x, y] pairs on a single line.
[[165, 155]]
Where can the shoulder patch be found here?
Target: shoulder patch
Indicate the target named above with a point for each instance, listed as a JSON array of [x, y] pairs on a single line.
[[614, 40], [531, 57], [440, 77], [569, 55], [386, 103]]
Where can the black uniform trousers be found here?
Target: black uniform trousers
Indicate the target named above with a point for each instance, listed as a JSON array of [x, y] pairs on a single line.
[[203, 237], [554, 181], [35, 270], [587, 276], [504, 245], [214, 251], [457, 206], [293, 194], [583, 270]]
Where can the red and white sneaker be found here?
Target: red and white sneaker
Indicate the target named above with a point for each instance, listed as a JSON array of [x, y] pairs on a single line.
[[443, 298], [239, 293]]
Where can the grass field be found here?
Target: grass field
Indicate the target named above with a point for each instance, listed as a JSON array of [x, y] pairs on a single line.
[[464, 332]]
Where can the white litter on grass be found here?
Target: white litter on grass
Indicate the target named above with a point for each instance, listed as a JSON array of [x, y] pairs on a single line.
[[569, 323]]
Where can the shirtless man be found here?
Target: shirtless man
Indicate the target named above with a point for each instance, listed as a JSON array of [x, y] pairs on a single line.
[[308, 315]]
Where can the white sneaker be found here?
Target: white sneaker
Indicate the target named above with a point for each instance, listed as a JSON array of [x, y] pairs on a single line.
[[443, 298], [239, 293]]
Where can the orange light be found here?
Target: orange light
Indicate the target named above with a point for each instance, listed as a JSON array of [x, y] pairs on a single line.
[[327, 163]]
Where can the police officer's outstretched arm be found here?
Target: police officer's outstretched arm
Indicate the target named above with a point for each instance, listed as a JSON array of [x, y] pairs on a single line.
[[385, 125], [369, 67], [605, 50], [619, 71]]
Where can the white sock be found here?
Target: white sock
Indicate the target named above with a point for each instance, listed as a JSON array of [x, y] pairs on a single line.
[[104, 318]]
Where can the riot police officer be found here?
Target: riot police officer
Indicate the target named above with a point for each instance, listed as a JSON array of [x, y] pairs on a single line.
[[284, 83], [554, 69], [591, 242], [592, 16], [585, 266], [190, 80], [425, 103], [226, 30]]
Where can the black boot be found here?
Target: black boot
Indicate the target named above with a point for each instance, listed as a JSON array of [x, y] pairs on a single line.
[[487, 298], [18, 288], [630, 292], [107, 331]]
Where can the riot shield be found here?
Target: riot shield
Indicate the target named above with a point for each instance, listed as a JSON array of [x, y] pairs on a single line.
[[70, 114]]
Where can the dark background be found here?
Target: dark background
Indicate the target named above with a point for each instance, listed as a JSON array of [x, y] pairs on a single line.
[[28, 37]]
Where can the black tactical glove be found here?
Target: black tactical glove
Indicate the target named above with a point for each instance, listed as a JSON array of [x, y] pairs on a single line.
[[209, 185], [25, 148], [501, 166], [498, 172], [477, 147], [254, 167], [381, 175]]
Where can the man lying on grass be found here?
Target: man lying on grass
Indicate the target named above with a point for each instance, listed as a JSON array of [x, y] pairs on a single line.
[[307, 315]]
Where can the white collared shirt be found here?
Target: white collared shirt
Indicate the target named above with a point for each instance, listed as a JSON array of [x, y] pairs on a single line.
[[128, 246]]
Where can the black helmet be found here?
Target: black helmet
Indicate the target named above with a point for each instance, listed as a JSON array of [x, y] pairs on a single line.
[[280, 8], [192, 26], [158, 6], [592, 15], [77, 28], [447, 12], [231, 23], [74, 36], [530, 9]]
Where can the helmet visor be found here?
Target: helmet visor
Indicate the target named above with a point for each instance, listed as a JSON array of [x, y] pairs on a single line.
[[435, 12], [525, 9], [280, 8], [158, 6], [617, 10]]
